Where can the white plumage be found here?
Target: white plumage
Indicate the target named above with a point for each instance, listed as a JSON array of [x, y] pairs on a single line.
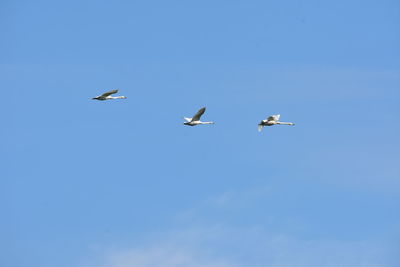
[[107, 96], [196, 119], [272, 120]]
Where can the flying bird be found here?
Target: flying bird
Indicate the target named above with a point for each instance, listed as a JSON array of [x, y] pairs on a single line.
[[196, 119], [107, 96], [272, 120]]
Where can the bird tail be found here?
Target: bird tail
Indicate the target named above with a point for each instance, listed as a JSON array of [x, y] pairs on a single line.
[[187, 119]]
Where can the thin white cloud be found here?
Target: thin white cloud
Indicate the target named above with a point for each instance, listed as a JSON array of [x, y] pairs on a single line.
[[175, 249], [222, 246], [204, 241], [162, 256]]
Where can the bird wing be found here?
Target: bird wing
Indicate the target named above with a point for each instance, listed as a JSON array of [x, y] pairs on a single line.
[[274, 117], [199, 113], [109, 93], [260, 127]]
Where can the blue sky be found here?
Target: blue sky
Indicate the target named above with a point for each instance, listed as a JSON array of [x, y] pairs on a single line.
[[123, 183]]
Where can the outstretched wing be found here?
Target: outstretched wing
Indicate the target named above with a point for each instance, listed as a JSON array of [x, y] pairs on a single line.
[[109, 93], [274, 117], [199, 114], [260, 127]]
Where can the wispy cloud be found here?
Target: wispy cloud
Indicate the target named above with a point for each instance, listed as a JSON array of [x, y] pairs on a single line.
[[221, 246], [201, 238], [234, 197], [173, 249], [162, 256]]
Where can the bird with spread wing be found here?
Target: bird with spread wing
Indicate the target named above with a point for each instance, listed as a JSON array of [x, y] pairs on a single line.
[[196, 119], [108, 96], [272, 120]]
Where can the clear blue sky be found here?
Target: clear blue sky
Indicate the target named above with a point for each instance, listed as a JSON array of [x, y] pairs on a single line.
[[124, 184]]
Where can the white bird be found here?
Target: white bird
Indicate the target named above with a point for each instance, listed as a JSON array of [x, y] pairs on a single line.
[[107, 96], [196, 119], [272, 120]]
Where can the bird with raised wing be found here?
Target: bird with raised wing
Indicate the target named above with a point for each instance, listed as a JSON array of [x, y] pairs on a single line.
[[272, 120], [196, 119], [108, 96]]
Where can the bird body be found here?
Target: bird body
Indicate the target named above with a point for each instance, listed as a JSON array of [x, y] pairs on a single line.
[[196, 119], [108, 96], [272, 120]]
